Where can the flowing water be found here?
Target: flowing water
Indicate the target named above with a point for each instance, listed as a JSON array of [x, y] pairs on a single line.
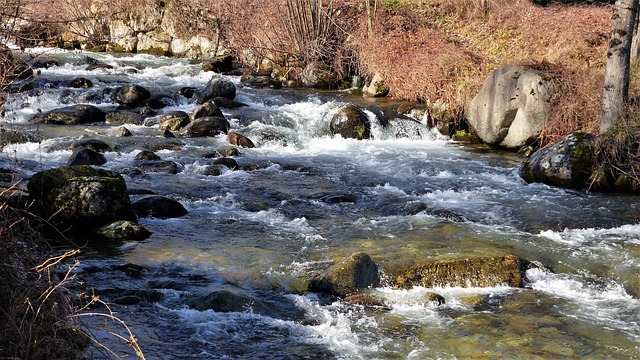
[[264, 231]]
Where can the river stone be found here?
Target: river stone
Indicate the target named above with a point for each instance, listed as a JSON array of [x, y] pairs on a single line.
[[512, 107], [216, 87], [123, 132], [79, 83], [208, 126], [240, 140], [228, 162], [225, 300], [81, 195], [228, 103], [121, 117], [71, 115], [368, 301], [566, 163], [468, 272], [351, 123], [84, 156], [93, 144], [147, 155], [208, 109], [130, 96], [124, 230], [219, 64], [348, 276], [158, 206], [174, 120], [317, 75], [159, 166]]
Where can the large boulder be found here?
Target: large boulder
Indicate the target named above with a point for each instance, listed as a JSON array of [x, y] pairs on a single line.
[[207, 109], [219, 64], [207, 126], [512, 106], [85, 156], [351, 122], [216, 87], [566, 163], [348, 276], [71, 115], [317, 75], [466, 272], [158, 206], [81, 196], [376, 88], [130, 96]]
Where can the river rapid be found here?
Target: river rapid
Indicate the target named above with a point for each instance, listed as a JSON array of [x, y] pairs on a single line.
[[263, 231]]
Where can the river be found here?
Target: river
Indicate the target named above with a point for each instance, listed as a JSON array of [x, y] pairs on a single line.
[[264, 231]]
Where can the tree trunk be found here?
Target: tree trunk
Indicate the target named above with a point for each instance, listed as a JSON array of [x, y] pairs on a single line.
[[616, 77]]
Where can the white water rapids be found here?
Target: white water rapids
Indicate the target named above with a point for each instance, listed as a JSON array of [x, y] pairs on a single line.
[[264, 231]]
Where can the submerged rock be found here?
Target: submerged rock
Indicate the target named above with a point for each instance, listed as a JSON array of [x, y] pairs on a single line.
[[566, 163], [370, 302], [124, 230], [81, 196], [468, 272], [351, 123], [348, 276], [158, 206], [229, 300]]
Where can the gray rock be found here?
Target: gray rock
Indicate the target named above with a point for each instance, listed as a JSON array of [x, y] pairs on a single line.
[[121, 117], [216, 87], [174, 120], [159, 166], [208, 126], [124, 230], [130, 96], [208, 109], [351, 123], [71, 115], [512, 106], [158, 206], [84, 156], [348, 276]]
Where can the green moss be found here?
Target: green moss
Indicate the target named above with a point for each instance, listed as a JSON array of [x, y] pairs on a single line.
[[158, 51]]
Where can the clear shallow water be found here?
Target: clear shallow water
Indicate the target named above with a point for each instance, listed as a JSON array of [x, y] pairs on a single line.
[[263, 233]]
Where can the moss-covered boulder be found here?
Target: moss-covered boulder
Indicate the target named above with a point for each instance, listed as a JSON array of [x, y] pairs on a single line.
[[351, 123], [348, 276], [467, 272], [80, 196], [124, 230], [566, 163]]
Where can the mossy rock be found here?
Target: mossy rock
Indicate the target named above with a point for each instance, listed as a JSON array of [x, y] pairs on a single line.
[[467, 272], [351, 123], [124, 230], [348, 276]]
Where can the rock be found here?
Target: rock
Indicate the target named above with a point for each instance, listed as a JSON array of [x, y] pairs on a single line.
[[71, 115], [216, 87], [228, 300], [219, 64], [215, 170], [339, 198], [376, 88], [512, 106], [168, 134], [468, 272], [208, 126], [174, 120], [121, 117], [43, 62], [566, 163], [124, 230], [351, 123], [228, 103], [446, 214], [130, 96], [158, 206], [147, 155], [370, 302], [123, 132], [228, 162], [155, 42], [240, 140], [261, 82], [81, 196], [348, 276], [93, 144], [159, 166], [187, 91], [80, 83], [84, 156], [317, 75], [434, 298], [208, 109]]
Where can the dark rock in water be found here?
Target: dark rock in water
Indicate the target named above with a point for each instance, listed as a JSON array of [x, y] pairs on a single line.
[[351, 123], [71, 115], [219, 64], [216, 87], [339, 198], [123, 132], [174, 120], [348, 276], [262, 81], [435, 298], [229, 300], [156, 102], [208, 126], [81, 196], [162, 166], [130, 96], [157, 143], [468, 272], [215, 170], [228, 162], [40, 63], [124, 230], [413, 208], [84, 156], [446, 214], [168, 134], [147, 111], [187, 92], [147, 155], [566, 163], [208, 109], [121, 117], [240, 140], [228, 103], [158, 206], [79, 83], [370, 302], [93, 144]]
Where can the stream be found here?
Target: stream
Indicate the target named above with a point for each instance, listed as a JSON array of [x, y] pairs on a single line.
[[263, 231]]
